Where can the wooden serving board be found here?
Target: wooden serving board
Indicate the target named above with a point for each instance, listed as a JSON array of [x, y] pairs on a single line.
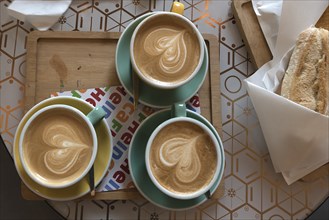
[[88, 58], [252, 33]]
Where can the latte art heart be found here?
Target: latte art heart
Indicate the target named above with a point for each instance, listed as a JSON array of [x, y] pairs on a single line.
[[66, 145], [61, 161], [58, 146], [169, 47], [183, 157], [181, 152], [166, 50]]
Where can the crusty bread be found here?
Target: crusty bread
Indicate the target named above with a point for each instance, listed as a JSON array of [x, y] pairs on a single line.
[[306, 80]]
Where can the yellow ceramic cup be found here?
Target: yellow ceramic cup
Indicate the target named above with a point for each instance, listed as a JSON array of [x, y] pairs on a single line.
[[102, 160]]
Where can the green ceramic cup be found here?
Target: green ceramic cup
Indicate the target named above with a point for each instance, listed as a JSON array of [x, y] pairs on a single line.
[[138, 168], [178, 113], [149, 95], [167, 42]]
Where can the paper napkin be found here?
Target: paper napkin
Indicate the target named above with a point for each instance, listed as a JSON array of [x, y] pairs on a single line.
[[42, 14], [123, 121], [268, 15]]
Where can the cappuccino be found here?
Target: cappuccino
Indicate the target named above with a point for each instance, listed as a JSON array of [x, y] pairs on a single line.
[[183, 157], [167, 49], [57, 146]]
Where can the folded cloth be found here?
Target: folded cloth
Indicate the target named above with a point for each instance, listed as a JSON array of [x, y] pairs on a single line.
[[42, 14]]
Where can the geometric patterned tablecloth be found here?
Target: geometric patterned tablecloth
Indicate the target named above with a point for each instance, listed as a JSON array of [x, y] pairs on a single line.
[[252, 189]]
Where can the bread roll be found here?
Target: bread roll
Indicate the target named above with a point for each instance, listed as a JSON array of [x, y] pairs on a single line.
[[306, 80]]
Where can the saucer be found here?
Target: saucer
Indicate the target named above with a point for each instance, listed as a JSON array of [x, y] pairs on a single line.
[[149, 95], [101, 164], [138, 170]]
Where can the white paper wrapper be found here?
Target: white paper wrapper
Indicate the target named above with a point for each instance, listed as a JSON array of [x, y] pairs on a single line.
[[42, 14], [268, 14], [297, 138]]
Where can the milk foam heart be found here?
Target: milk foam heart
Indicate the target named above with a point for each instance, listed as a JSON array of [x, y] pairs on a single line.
[[181, 152], [183, 157], [169, 47], [166, 49], [65, 147], [57, 146]]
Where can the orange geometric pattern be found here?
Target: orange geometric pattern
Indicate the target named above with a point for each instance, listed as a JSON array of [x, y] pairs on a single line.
[[252, 189]]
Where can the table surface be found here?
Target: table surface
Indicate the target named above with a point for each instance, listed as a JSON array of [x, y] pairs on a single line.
[[252, 189]]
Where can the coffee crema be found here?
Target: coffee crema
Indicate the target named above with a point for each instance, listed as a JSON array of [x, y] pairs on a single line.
[[166, 49], [183, 157], [57, 146]]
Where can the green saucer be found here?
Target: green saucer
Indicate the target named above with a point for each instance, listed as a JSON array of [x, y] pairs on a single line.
[[149, 95], [138, 168]]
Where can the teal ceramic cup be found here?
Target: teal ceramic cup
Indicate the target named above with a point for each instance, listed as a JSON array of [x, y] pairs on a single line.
[[166, 50], [183, 156], [149, 95], [58, 145], [137, 166]]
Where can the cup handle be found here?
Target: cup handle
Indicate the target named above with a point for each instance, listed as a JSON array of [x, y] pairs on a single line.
[[96, 115], [177, 7], [178, 110], [208, 194]]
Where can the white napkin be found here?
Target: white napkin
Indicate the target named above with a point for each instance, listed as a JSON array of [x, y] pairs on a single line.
[[268, 14], [297, 138], [41, 14]]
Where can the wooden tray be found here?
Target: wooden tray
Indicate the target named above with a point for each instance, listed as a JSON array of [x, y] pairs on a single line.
[[89, 60], [252, 33]]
